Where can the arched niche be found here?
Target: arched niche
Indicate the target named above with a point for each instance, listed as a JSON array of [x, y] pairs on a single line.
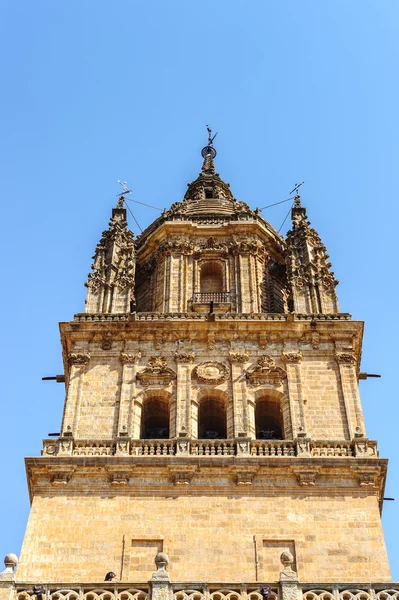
[[269, 415], [211, 277], [212, 415], [155, 415]]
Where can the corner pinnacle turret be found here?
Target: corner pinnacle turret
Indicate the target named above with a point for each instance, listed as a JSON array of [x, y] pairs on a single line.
[[308, 271], [111, 282]]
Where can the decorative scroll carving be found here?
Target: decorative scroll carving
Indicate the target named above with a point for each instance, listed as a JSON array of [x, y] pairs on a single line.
[[78, 358], [130, 359], [291, 357], [345, 358], [184, 357], [211, 372], [157, 372], [306, 478], [266, 372], [239, 357], [182, 475]]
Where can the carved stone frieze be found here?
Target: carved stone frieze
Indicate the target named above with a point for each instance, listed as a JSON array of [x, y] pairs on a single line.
[[211, 372], [266, 372], [78, 358]]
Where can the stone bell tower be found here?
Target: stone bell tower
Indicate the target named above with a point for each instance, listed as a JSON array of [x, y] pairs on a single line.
[[212, 414]]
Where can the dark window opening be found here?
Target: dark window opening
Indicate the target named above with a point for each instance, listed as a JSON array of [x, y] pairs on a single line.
[[212, 419], [155, 420], [268, 420], [208, 193]]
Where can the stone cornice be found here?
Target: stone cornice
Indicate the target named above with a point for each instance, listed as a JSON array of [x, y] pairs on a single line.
[[256, 476]]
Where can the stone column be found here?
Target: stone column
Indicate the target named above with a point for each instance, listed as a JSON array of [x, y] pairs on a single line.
[[77, 362], [238, 389], [346, 364], [127, 391], [183, 392], [292, 362]]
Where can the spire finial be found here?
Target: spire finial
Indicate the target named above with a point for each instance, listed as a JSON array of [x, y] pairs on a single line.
[[297, 199]]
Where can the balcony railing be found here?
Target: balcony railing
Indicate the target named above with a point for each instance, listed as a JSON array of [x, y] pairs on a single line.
[[360, 447], [206, 297]]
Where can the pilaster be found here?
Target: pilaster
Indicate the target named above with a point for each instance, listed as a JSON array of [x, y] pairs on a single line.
[[292, 361], [77, 361]]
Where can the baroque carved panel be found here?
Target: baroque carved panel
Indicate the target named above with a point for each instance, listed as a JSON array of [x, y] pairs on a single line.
[[211, 372]]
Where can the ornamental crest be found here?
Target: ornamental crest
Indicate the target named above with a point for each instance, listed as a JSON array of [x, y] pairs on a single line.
[[211, 372], [266, 372], [157, 373]]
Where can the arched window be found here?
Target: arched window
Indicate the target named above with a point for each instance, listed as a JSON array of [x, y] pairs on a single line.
[[268, 419], [155, 419], [211, 277], [212, 419]]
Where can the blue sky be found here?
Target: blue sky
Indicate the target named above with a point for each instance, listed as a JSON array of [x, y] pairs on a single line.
[[95, 91]]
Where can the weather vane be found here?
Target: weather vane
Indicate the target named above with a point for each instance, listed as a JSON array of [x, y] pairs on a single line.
[[210, 138], [209, 149], [125, 189], [296, 188]]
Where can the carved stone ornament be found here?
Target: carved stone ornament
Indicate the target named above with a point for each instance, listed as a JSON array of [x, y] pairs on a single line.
[[306, 478], [345, 358], [367, 480], [211, 372], [291, 357], [60, 479], [244, 475], [129, 359], [157, 373], [182, 475], [184, 357], [119, 479], [266, 372], [79, 358], [106, 342], [239, 357]]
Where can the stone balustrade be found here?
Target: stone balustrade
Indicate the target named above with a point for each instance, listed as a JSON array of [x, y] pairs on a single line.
[[213, 447], [359, 447], [153, 447], [229, 316], [209, 591], [272, 448]]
